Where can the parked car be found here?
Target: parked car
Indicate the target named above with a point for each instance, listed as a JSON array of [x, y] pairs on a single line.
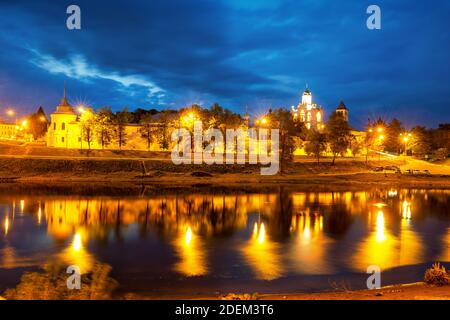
[[426, 172], [416, 172], [393, 168], [409, 171], [378, 169]]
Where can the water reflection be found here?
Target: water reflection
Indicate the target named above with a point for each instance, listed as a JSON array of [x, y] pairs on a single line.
[[260, 236], [262, 254], [77, 254], [191, 253]]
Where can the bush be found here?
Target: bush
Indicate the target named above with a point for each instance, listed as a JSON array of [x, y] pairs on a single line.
[[441, 154], [437, 275]]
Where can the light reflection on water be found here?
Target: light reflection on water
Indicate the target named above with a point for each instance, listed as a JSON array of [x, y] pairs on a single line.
[[228, 236]]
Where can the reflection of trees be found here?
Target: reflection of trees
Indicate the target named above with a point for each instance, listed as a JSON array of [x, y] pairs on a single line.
[[339, 220], [51, 284], [280, 219]]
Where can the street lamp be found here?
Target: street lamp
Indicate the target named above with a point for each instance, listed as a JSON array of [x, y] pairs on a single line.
[[380, 138], [406, 137]]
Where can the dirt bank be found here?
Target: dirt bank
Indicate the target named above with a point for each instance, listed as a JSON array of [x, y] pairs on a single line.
[[416, 291], [348, 174]]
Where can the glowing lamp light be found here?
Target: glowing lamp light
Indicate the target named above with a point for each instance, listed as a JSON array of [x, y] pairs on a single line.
[[188, 237], [191, 115], [264, 121], [379, 205], [6, 225], [24, 123], [10, 112], [77, 242], [380, 129], [262, 233]]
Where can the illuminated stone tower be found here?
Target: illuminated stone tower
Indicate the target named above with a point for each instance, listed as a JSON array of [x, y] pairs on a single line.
[[59, 134], [307, 112], [342, 110]]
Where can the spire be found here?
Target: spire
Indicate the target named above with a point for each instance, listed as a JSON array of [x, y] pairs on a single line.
[[307, 91], [64, 101]]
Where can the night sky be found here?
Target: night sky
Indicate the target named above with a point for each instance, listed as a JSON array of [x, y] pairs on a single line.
[[243, 54]]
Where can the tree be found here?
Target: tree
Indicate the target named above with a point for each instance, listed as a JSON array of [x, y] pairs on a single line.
[[316, 144], [104, 127], [120, 120], [37, 124], [338, 135], [87, 121], [355, 146], [441, 154], [165, 121], [282, 120], [422, 142], [393, 131], [441, 137], [147, 130]]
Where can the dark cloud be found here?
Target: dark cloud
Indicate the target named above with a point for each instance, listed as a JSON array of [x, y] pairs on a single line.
[[253, 54]]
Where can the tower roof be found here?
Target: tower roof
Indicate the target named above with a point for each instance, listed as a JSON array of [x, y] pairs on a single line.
[[307, 91], [64, 106], [341, 106]]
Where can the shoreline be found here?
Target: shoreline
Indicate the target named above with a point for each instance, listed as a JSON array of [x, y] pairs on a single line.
[[320, 182], [406, 291], [304, 173]]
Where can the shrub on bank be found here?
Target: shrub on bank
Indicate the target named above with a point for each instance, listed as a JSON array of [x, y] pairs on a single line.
[[437, 275]]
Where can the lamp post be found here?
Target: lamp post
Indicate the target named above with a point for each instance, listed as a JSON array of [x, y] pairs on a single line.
[[406, 137], [380, 139]]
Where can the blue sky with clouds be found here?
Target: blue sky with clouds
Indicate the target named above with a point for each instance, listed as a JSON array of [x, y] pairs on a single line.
[[244, 54]]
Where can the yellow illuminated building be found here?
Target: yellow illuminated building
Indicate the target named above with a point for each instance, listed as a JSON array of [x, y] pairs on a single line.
[[308, 113], [65, 130]]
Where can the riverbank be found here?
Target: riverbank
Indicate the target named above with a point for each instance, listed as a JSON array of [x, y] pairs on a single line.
[[411, 291], [414, 291], [344, 174]]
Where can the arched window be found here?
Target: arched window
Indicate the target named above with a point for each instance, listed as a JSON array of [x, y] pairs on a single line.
[[302, 115], [54, 125], [319, 116], [309, 117], [63, 126]]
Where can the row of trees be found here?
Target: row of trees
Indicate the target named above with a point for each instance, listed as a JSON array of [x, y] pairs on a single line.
[[337, 137], [106, 127], [419, 141]]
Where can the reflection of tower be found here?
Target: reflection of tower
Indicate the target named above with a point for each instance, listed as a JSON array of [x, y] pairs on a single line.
[[342, 111], [307, 112]]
